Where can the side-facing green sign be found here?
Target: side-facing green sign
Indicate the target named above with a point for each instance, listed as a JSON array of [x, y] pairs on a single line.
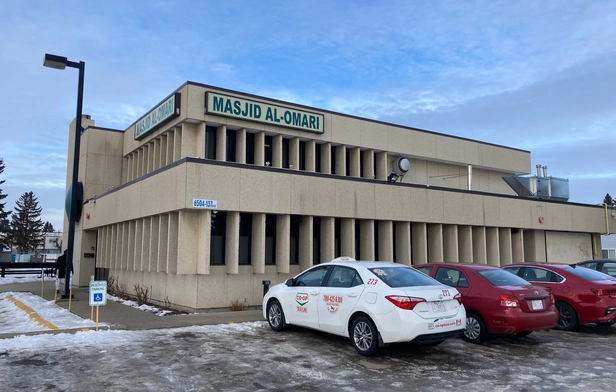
[[228, 106], [164, 112]]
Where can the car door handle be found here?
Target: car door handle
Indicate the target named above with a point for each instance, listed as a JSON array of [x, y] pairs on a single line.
[[352, 295], [314, 293]]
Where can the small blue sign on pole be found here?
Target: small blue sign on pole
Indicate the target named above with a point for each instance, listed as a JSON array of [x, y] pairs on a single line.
[[98, 293]]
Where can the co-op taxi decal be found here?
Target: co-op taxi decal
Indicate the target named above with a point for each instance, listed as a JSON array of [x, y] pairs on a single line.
[[302, 300]]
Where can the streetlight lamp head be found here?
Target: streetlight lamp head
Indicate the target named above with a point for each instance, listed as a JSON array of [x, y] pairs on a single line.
[[53, 61]]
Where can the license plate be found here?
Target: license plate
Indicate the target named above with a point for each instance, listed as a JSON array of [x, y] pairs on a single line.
[[438, 306], [537, 304]]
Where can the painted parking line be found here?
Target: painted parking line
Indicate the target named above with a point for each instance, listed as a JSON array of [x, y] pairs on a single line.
[[33, 315]]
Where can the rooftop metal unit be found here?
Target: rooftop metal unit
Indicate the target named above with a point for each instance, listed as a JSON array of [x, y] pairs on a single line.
[[540, 187]]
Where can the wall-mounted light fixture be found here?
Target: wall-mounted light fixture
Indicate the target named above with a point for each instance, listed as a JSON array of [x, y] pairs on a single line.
[[393, 177]]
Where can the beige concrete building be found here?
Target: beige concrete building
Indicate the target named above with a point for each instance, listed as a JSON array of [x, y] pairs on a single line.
[[214, 191]]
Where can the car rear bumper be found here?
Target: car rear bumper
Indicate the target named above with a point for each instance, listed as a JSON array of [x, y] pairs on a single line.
[[406, 326], [438, 337], [514, 320]]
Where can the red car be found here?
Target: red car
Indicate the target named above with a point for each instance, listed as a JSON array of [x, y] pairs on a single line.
[[496, 301], [582, 295]]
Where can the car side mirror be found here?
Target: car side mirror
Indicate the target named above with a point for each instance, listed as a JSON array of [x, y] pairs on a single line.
[[289, 282]]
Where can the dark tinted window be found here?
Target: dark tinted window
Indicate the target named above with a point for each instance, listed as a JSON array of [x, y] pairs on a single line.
[[424, 270], [499, 277], [402, 277], [344, 277], [313, 277], [589, 274], [451, 277]]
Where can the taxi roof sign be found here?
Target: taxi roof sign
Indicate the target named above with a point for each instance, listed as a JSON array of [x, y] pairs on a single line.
[[344, 258]]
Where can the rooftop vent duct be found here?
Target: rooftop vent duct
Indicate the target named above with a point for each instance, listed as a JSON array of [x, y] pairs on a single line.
[[540, 186]]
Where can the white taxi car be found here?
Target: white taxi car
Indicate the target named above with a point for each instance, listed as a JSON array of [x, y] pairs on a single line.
[[373, 303]]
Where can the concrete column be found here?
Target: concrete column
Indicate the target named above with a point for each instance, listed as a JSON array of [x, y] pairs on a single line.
[[143, 160], [504, 246], [170, 146], [138, 266], [258, 243], [156, 154], [150, 150], [145, 245], [465, 244], [517, 245], [277, 151], [260, 149], [221, 142], [403, 243], [131, 246], [326, 158], [368, 164], [305, 243], [419, 247], [204, 223], [177, 145], [240, 146], [340, 160], [382, 168], [163, 149], [232, 243], [534, 246], [190, 140], [386, 235], [492, 246], [163, 244], [366, 240], [354, 162], [435, 243], [310, 156], [294, 153], [283, 243], [327, 239], [154, 236], [347, 240], [200, 140], [450, 243], [480, 250], [189, 241], [172, 243]]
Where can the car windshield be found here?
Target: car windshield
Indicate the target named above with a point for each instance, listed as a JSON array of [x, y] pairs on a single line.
[[499, 277], [403, 277], [589, 274]]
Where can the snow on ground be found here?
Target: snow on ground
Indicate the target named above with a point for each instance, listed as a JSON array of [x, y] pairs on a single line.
[[13, 318]]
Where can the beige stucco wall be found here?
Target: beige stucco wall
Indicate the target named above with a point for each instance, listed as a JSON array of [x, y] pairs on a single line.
[[568, 247]]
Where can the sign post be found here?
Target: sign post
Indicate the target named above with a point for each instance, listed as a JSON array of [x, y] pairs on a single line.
[[98, 295]]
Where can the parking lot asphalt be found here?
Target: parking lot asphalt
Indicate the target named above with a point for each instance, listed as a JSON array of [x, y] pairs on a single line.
[[116, 315]]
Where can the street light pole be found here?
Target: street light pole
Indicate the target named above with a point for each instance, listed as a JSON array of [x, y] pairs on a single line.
[[59, 62]]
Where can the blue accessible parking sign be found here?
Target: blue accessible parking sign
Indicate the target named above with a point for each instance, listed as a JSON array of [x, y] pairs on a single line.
[[98, 293]]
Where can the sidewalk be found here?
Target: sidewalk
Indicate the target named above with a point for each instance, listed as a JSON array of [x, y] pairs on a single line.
[[115, 315]]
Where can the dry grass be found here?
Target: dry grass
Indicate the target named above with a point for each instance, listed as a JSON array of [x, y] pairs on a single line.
[[236, 305]]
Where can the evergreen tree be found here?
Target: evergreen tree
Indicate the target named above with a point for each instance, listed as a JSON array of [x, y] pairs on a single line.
[[26, 224], [48, 228], [609, 201], [4, 215]]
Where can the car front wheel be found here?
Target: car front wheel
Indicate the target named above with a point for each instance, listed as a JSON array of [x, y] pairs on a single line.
[[475, 331], [364, 336], [567, 318], [275, 315]]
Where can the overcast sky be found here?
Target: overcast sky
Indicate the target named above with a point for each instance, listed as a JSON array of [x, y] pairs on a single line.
[[533, 75]]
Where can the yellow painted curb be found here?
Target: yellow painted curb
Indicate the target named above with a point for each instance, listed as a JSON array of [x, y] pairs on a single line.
[[33, 315]]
